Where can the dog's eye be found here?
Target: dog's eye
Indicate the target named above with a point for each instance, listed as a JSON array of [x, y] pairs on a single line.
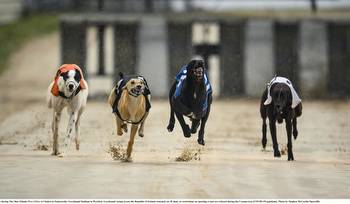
[[65, 75], [132, 82]]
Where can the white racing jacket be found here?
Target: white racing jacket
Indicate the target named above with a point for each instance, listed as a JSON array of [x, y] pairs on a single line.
[[295, 98]]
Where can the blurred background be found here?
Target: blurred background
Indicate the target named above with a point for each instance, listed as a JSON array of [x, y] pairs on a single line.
[[244, 42]]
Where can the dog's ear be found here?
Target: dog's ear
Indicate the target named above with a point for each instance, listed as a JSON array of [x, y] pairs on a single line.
[[146, 90], [77, 76], [195, 64], [121, 75]]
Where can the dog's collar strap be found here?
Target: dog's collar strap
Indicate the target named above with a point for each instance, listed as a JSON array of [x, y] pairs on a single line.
[[60, 93], [129, 121]]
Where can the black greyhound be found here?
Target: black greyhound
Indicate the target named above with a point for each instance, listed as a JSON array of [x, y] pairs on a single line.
[[280, 108], [191, 95]]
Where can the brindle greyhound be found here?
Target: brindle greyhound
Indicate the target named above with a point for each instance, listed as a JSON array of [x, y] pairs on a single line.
[[280, 108], [191, 95]]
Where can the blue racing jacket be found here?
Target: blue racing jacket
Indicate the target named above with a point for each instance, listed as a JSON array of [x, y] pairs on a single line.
[[181, 76]]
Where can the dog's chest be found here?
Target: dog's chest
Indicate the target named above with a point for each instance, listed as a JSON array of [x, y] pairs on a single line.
[[132, 110]]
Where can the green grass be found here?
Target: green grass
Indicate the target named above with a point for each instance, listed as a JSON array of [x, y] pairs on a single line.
[[15, 34]]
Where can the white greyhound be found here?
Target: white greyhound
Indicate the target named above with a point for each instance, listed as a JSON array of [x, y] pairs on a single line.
[[69, 89]]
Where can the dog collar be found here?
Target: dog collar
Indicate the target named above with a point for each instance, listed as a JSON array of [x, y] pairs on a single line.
[[60, 93]]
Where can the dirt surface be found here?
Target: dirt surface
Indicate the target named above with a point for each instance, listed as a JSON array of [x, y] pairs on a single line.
[[231, 165]]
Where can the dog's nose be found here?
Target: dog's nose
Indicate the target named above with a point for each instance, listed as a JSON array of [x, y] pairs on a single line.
[[70, 86], [139, 86]]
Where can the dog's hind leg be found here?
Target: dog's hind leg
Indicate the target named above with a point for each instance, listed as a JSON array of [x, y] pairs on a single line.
[[131, 142], [55, 124]]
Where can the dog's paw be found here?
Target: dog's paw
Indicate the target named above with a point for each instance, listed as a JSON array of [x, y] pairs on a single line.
[[170, 127], [187, 131], [125, 128], [55, 153], [194, 129], [77, 144], [120, 132], [277, 154], [127, 159], [62, 154], [201, 142], [290, 157], [295, 134], [263, 143]]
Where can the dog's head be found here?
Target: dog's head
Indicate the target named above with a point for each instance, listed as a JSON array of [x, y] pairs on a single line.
[[196, 70], [135, 86], [69, 81], [282, 98]]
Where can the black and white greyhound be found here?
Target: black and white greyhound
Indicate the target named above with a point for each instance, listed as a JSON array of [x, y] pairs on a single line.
[[191, 96]]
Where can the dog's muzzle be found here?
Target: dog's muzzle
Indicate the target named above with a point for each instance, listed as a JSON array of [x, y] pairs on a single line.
[[71, 86], [136, 91], [198, 73]]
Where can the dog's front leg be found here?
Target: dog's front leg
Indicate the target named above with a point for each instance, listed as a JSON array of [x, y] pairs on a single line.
[[119, 125], [276, 151], [171, 123], [141, 133], [200, 139], [71, 125], [55, 124], [77, 131], [264, 129], [185, 128], [295, 129], [289, 135], [195, 125], [131, 142]]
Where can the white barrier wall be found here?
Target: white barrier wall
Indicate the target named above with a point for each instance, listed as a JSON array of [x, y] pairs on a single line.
[[313, 58], [153, 57], [259, 66]]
